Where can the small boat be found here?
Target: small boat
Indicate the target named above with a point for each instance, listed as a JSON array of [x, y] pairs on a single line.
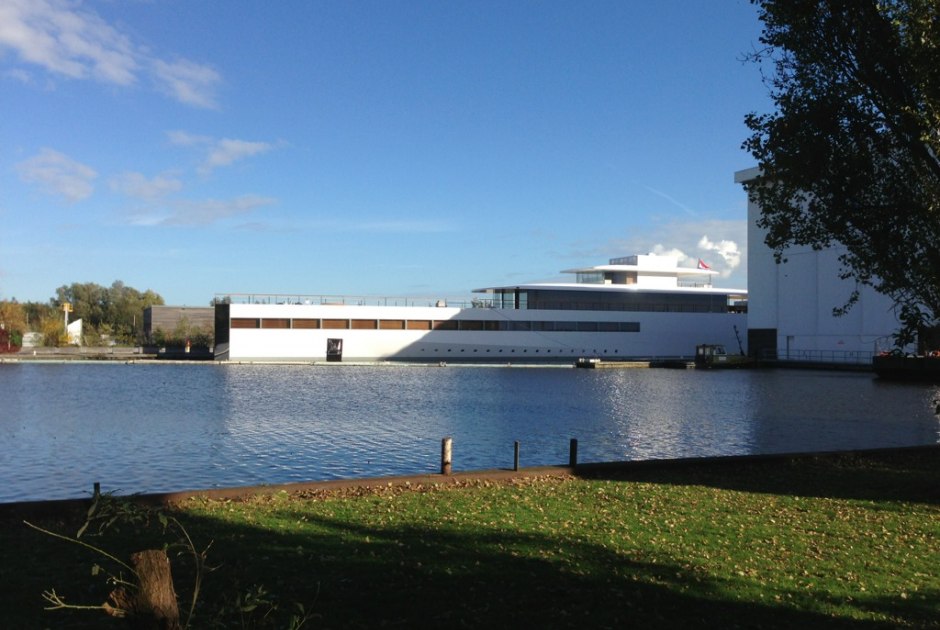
[[709, 356]]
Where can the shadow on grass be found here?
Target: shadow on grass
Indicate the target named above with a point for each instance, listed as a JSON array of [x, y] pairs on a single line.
[[357, 576], [896, 475], [409, 576], [382, 572]]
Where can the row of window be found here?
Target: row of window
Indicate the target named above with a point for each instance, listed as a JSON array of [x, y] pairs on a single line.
[[562, 352], [587, 300], [424, 324]]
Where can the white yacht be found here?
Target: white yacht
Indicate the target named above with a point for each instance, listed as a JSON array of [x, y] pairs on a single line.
[[636, 307]]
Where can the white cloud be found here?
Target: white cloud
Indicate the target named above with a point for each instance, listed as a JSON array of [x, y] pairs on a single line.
[[202, 213], [146, 218], [728, 250], [404, 226], [188, 82], [67, 40], [186, 139], [333, 225], [222, 152], [661, 250], [58, 174], [721, 244], [139, 186], [672, 200], [226, 151], [20, 75]]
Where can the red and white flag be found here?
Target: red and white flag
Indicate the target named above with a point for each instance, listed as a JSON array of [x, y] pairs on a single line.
[[702, 265]]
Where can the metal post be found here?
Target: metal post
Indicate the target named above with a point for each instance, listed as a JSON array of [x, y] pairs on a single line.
[[515, 456], [446, 455], [573, 453]]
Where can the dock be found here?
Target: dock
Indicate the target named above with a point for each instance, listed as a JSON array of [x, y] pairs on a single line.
[[601, 364]]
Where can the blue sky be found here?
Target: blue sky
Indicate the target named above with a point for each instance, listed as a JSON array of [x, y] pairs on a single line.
[[367, 147]]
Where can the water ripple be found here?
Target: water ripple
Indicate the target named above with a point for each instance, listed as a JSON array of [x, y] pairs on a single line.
[[150, 428]]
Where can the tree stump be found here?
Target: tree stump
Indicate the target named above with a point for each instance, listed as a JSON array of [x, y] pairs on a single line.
[[153, 605]]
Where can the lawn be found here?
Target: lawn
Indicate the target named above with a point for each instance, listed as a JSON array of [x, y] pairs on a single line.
[[835, 541]]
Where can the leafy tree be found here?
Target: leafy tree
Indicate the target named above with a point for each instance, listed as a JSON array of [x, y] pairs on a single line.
[[12, 326], [13, 316], [88, 301], [117, 310], [35, 312], [852, 153], [53, 332]]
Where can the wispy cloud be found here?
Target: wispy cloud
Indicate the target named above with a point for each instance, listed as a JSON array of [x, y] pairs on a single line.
[[673, 201], [212, 210], [58, 174], [188, 82], [201, 213], [139, 186], [186, 139], [65, 39], [20, 75], [226, 151], [403, 226], [219, 152], [336, 226]]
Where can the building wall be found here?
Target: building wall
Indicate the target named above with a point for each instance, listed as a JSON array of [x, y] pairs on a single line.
[[168, 317], [792, 302], [74, 332]]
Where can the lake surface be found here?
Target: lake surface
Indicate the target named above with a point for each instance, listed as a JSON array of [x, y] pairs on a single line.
[[167, 427]]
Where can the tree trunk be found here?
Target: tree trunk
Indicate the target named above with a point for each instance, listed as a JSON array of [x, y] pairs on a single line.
[[153, 605]]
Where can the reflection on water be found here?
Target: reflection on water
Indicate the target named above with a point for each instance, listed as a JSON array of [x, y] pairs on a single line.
[[149, 428]]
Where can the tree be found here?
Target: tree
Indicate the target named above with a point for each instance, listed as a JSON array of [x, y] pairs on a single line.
[[852, 153], [12, 326], [53, 332], [36, 312], [13, 316], [116, 310]]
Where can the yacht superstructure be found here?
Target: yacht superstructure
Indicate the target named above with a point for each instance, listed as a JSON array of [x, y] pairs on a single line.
[[642, 306]]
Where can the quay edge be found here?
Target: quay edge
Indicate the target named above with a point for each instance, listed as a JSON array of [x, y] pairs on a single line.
[[59, 506]]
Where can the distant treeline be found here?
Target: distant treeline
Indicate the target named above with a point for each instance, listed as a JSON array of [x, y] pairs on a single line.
[[108, 314]]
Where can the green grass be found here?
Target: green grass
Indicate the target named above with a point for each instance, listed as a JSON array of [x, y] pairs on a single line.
[[820, 542]]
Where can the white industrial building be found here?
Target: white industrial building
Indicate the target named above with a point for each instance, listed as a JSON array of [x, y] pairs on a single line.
[[790, 305]]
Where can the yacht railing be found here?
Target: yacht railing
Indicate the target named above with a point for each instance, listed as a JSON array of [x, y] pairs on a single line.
[[849, 357], [344, 300], [475, 302]]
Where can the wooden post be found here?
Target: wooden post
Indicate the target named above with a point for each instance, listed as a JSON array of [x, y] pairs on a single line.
[[515, 456], [573, 453], [446, 455]]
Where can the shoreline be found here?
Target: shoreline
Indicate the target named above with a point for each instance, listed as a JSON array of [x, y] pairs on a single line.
[[382, 363], [18, 509], [132, 356]]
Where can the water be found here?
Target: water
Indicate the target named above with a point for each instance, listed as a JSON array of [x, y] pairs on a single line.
[[155, 428]]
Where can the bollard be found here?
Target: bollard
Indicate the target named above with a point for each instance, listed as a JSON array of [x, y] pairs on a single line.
[[446, 454], [97, 492], [515, 456], [573, 453]]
